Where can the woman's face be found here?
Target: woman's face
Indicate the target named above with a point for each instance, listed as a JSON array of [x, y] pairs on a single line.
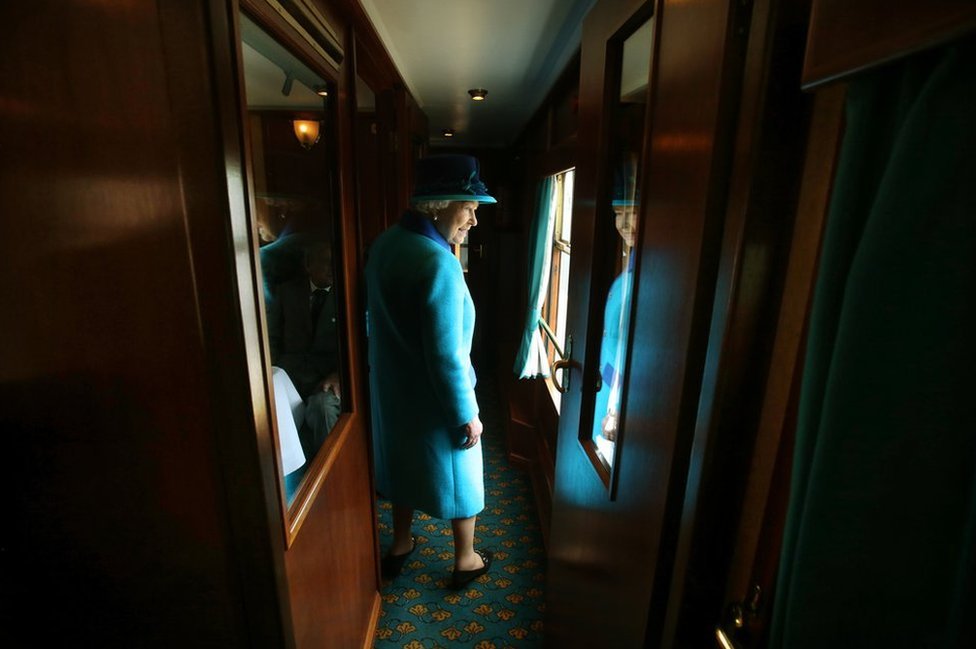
[[625, 218], [454, 221]]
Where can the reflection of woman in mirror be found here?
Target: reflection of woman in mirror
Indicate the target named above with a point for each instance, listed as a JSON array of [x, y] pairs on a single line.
[[617, 310]]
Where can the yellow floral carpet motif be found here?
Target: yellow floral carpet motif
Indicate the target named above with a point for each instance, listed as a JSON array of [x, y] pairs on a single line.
[[503, 608]]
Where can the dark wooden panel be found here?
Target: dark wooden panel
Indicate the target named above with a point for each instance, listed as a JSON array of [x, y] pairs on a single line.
[[371, 205], [589, 600], [332, 555], [770, 139], [124, 529], [762, 497], [331, 565], [848, 36], [611, 560], [374, 63]]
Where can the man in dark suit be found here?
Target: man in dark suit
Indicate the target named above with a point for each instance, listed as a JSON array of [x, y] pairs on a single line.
[[304, 342]]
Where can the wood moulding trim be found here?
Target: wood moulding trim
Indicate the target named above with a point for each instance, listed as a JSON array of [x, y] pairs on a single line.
[[323, 40], [282, 25], [543, 477], [318, 471], [786, 361], [369, 42], [847, 37], [292, 37], [374, 620]]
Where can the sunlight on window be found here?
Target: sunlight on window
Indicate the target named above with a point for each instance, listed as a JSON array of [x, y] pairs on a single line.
[[556, 307]]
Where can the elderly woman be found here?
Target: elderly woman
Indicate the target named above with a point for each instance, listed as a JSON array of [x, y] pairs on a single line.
[[421, 319]]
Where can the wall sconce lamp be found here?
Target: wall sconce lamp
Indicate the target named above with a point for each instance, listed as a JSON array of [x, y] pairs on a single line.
[[321, 91], [448, 132], [478, 94], [307, 132]]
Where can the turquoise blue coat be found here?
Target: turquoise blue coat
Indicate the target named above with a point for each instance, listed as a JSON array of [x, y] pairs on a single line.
[[420, 326], [613, 347]]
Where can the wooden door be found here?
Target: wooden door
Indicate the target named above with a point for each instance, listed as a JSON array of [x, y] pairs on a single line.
[[617, 505], [302, 229]]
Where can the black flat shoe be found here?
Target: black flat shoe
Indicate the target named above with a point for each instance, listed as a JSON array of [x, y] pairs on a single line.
[[461, 578], [392, 564]]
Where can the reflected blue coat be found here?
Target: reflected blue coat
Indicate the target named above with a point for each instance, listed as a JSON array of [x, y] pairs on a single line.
[[613, 347], [421, 322]]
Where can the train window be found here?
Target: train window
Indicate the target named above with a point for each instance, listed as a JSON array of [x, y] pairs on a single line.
[[293, 177], [627, 118], [556, 306]]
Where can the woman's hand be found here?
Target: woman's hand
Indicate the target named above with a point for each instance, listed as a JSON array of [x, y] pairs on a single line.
[[473, 431], [609, 427]]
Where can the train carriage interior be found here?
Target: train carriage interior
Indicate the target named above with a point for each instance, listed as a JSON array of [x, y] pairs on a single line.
[[721, 348]]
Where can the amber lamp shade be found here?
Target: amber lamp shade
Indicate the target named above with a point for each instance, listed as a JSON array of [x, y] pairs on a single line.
[[307, 132]]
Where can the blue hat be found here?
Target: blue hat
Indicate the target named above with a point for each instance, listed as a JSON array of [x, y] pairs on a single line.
[[449, 178], [625, 191]]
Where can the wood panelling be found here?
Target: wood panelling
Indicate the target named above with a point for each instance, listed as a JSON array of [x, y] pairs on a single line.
[[589, 600], [332, 554], [144, 496], [547, 145], [610, 561], [331, 569], [759, 535], [763, 498], [137, 511], [773, 117], [849, 36], [371, 136]]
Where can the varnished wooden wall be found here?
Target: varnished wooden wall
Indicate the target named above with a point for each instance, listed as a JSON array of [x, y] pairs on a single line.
[[135, 480], [545, 146]]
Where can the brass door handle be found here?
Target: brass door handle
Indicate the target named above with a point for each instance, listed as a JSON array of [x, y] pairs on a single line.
[[723, 639], [738, 616], [565, 364]]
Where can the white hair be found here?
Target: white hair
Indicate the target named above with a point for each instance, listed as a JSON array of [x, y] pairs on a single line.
[[431, 208]]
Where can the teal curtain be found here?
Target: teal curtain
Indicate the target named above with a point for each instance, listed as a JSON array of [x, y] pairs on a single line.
[[531, 361], [879, 544]]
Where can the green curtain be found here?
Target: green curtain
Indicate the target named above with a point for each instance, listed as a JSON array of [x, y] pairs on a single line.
[[531, 361], [879, 544]]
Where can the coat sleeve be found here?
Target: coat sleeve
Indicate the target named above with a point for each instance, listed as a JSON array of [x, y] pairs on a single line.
[[445, 349]]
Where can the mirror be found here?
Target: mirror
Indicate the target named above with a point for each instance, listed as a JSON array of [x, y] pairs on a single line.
[[293, 177], [622, 214]]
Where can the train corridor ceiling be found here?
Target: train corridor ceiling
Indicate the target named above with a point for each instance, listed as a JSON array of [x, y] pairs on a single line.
[[515, 49]]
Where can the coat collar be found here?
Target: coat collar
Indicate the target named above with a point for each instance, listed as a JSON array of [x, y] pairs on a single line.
[[416, 222]]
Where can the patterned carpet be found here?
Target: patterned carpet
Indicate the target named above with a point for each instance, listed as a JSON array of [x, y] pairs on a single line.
[[503, 608]]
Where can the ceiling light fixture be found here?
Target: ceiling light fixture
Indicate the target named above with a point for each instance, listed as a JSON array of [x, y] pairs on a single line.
[[478, 94], [448, 132], [307, 132]]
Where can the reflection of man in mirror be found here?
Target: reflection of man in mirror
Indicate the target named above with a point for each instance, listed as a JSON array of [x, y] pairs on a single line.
[[616, 315], [304, 342]]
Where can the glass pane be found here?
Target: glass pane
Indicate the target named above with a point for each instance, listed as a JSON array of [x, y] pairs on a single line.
[[563, 298], [627, 119], [293, 180], [567, 203]]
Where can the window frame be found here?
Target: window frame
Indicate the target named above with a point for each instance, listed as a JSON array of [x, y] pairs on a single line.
[[555, 311]]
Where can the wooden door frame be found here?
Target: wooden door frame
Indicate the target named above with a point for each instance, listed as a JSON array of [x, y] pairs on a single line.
[[836, 50], [254, 503], [764, 185], [346, 257], [339, 473], [595, 599]]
